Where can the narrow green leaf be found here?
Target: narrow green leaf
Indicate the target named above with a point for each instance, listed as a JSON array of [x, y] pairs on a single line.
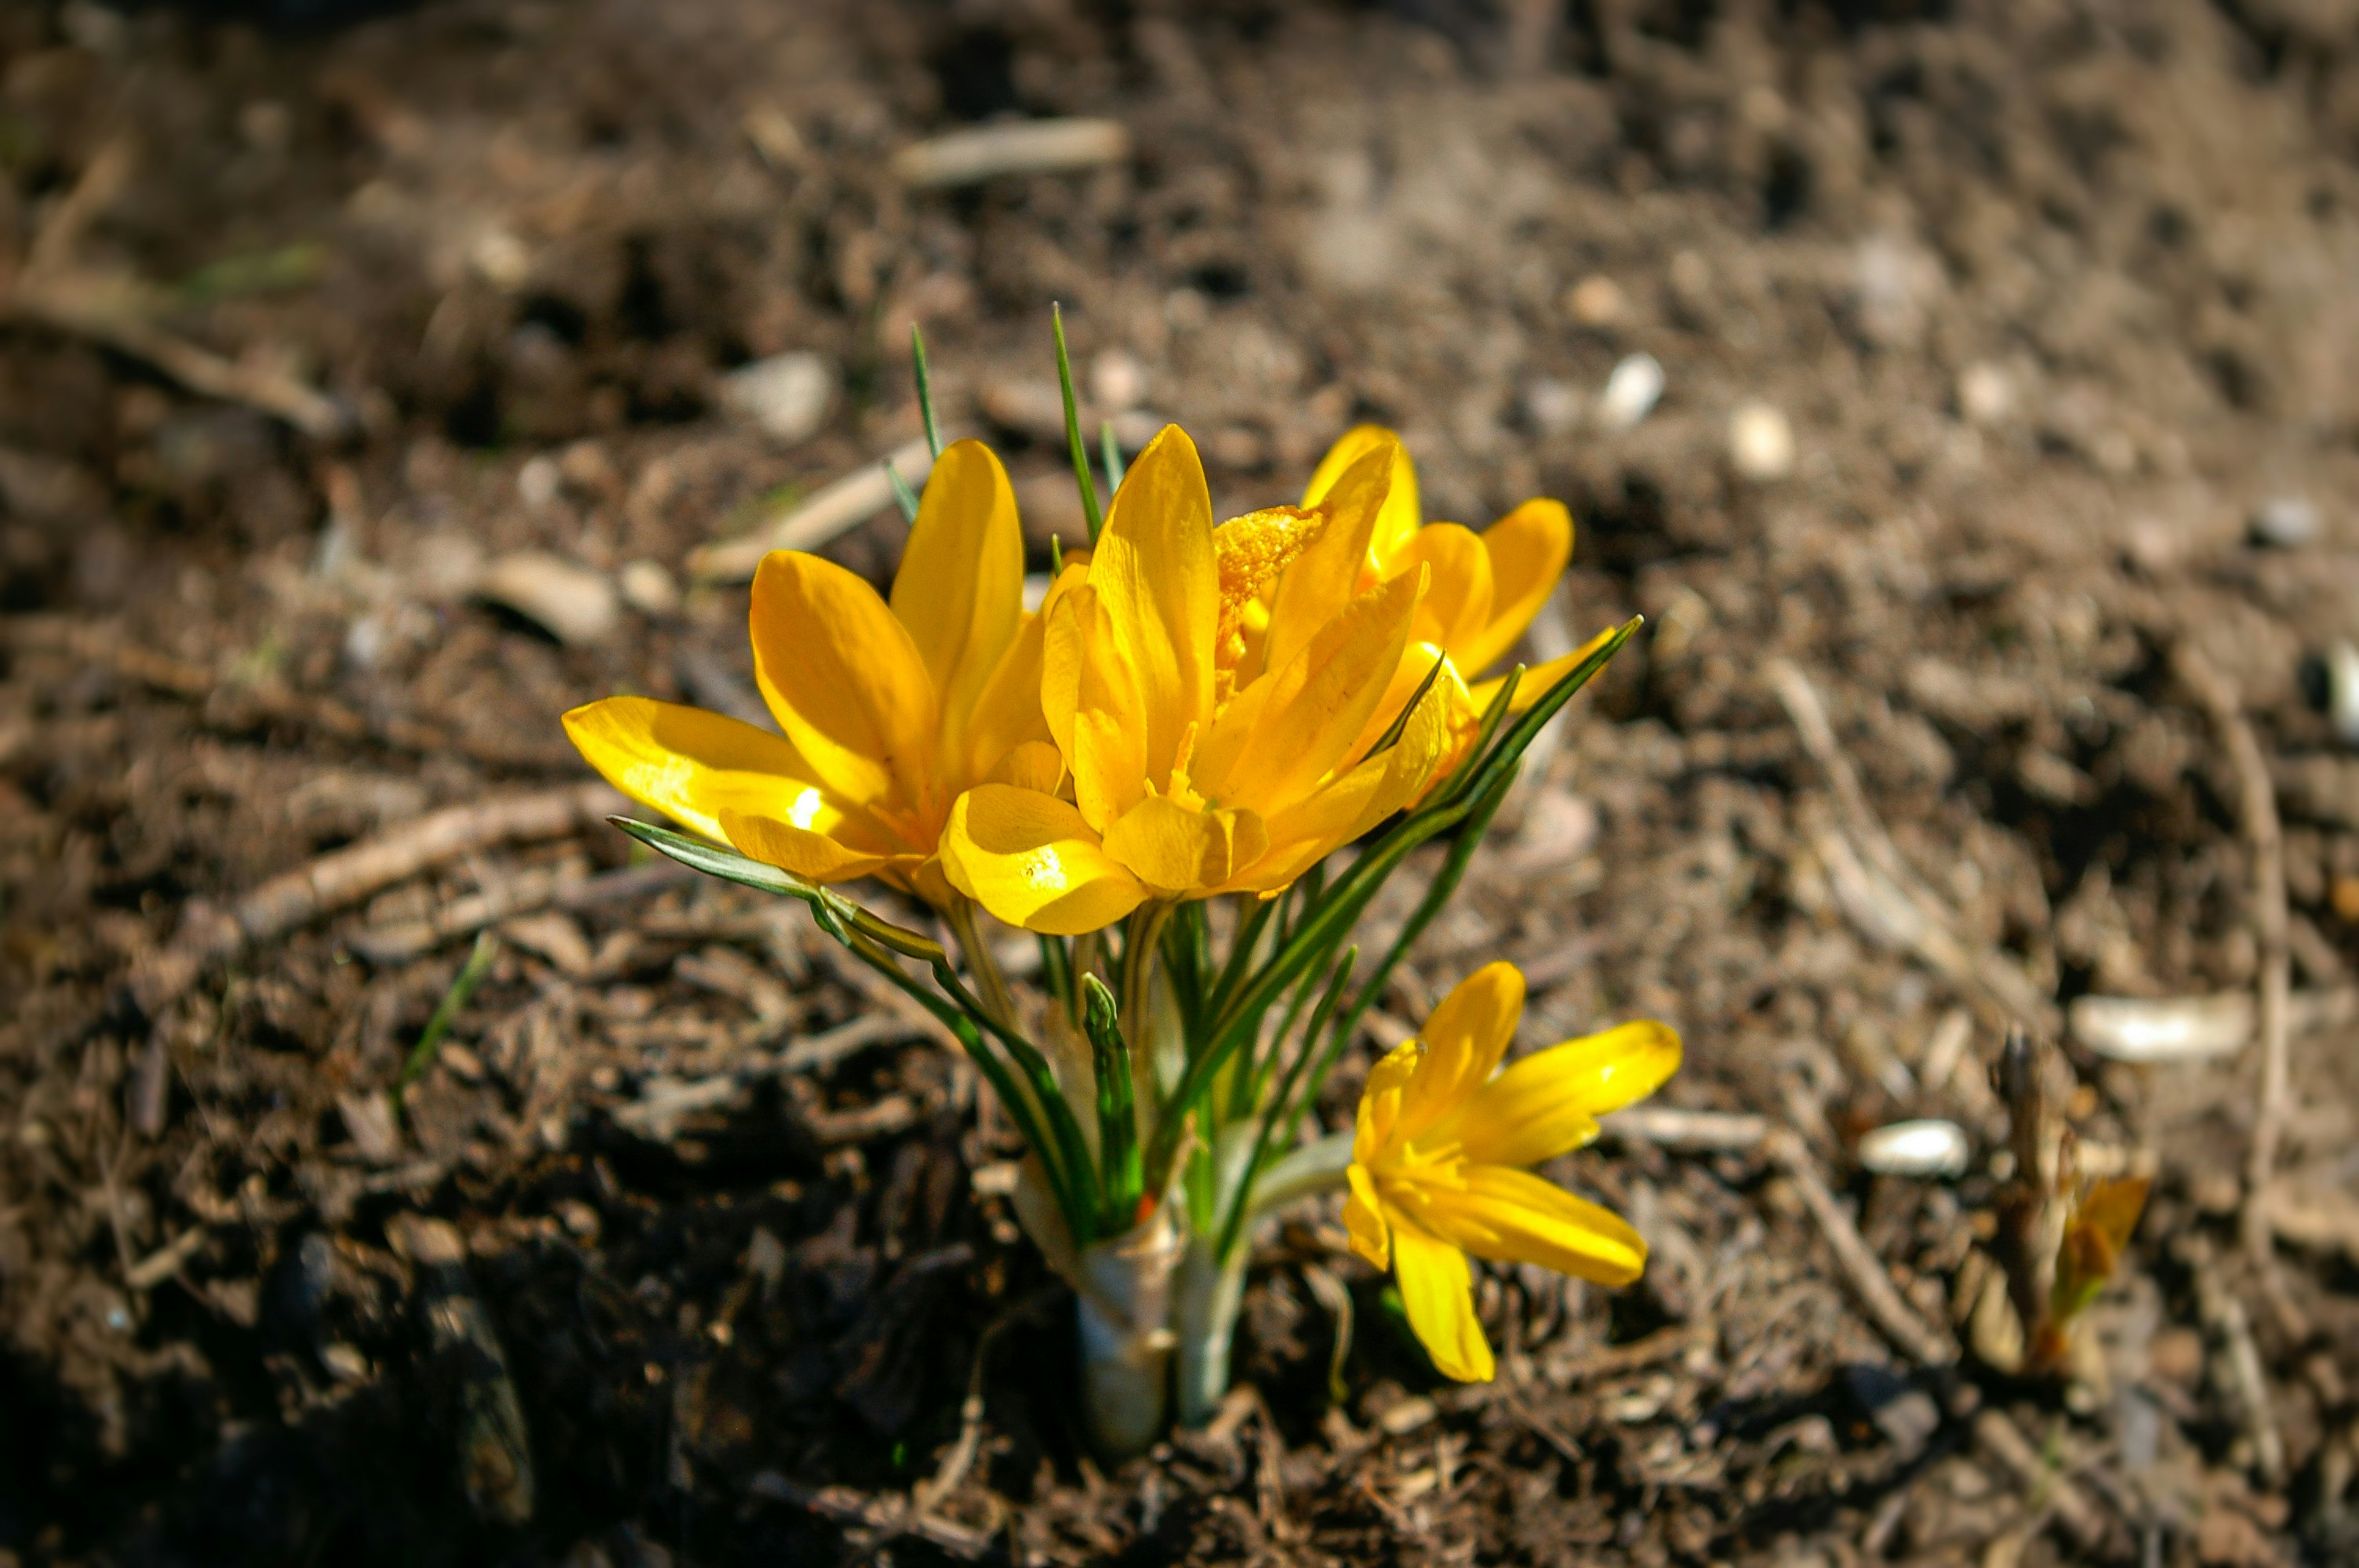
[[1110, 455], [1393, 732], [1521, 735], [902, 495], [446, 1012], [925, 390], [1080, 452]]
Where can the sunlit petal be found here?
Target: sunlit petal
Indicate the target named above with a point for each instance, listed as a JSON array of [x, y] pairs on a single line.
[[1465, 1039], [1539, 677], [691, 765], [1548, 1102], [812, 855], [1031, 859], [960, 591], [1514, 1216], [1153, 576], [1363, 1219], [1527, 549], [1439, 1292], [1399, 516], [1458, 601], [1007, 710], [844, 680], [1337, 566]]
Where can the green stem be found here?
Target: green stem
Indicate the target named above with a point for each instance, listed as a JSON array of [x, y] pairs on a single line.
[[960, 917]]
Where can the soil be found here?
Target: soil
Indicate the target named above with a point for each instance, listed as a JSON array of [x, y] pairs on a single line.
[[2056, 300]]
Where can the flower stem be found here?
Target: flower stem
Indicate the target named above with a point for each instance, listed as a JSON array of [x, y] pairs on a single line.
[[988, 979], [1125, 1290]]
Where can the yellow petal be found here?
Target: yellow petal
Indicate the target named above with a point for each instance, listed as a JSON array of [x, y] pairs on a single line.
[[1539, 677], [1154, 576], [1316, 706], [1548, 1102], [1034, 765], [1031, 859], [1380, 1099], [844, 680], [1399, 516], [1363, 1219], [1439, 1292], [1415, 663], [1179, 849], [1527, 549], [1336, 813], [1458, 602], [1514, 1216], [959, 591], [1106, 741], [1008, 712], [691, 765], [1337, 566], [1464, 1038], [812, 856]]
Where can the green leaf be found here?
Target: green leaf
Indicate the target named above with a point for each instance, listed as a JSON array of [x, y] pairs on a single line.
[[902, 495], [1080, 452], [925, 390]]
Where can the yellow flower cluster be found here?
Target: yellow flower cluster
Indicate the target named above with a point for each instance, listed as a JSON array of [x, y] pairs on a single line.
[[1195, 709]]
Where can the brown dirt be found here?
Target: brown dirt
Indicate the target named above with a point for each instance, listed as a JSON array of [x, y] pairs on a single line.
[[2056, 295]]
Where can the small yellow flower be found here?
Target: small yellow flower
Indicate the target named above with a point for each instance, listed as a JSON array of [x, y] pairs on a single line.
[[1186, 772], [889, 710], [1485, 587], [1437, 1162]]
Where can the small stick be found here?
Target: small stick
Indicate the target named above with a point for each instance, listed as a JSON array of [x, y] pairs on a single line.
[[1861, 1266], [2004, 1441], [1707, 1130], [828, 511], [211, 936], [2224, 1316], [1875, 887], [2258, 800], [240, 704]]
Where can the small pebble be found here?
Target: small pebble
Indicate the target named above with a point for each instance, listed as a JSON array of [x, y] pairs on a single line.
[[2286, 523], [538, 481], [1760, 442], [2337, 678], [1594, 301], [1631, 391], [1927, 1148], [787, 395], [1117, 381], [570, 602], [1985, 393], [648, 589], [1553, 406]]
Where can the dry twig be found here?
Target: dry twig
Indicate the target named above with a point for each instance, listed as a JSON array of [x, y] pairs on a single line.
[[117, 312], [829, 511], [237, 705], [1861, 1266], [2257, 805], [1882, 896], [210, 935]]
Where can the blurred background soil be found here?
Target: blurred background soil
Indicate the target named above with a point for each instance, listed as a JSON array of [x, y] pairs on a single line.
[[368, 375]]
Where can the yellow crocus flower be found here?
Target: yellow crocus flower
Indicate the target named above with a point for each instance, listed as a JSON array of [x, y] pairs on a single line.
[[1437, 1160], [889, 710], [1183, 778], [1485, 587]]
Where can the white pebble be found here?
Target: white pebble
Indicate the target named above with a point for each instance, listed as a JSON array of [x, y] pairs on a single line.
[[1929, 1148], [2343, 692], [571, 602], [1553, 406], [1117, 381], [647, 588], [538, 481], [2286, 522], [1985, 394], [1631, 391], [1760, 442], [2163, 1029], [788, 395]]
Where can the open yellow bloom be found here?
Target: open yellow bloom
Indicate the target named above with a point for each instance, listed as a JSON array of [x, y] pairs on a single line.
[[1485, 587], [1190, 773], [889, 710], [1437, 1162]]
